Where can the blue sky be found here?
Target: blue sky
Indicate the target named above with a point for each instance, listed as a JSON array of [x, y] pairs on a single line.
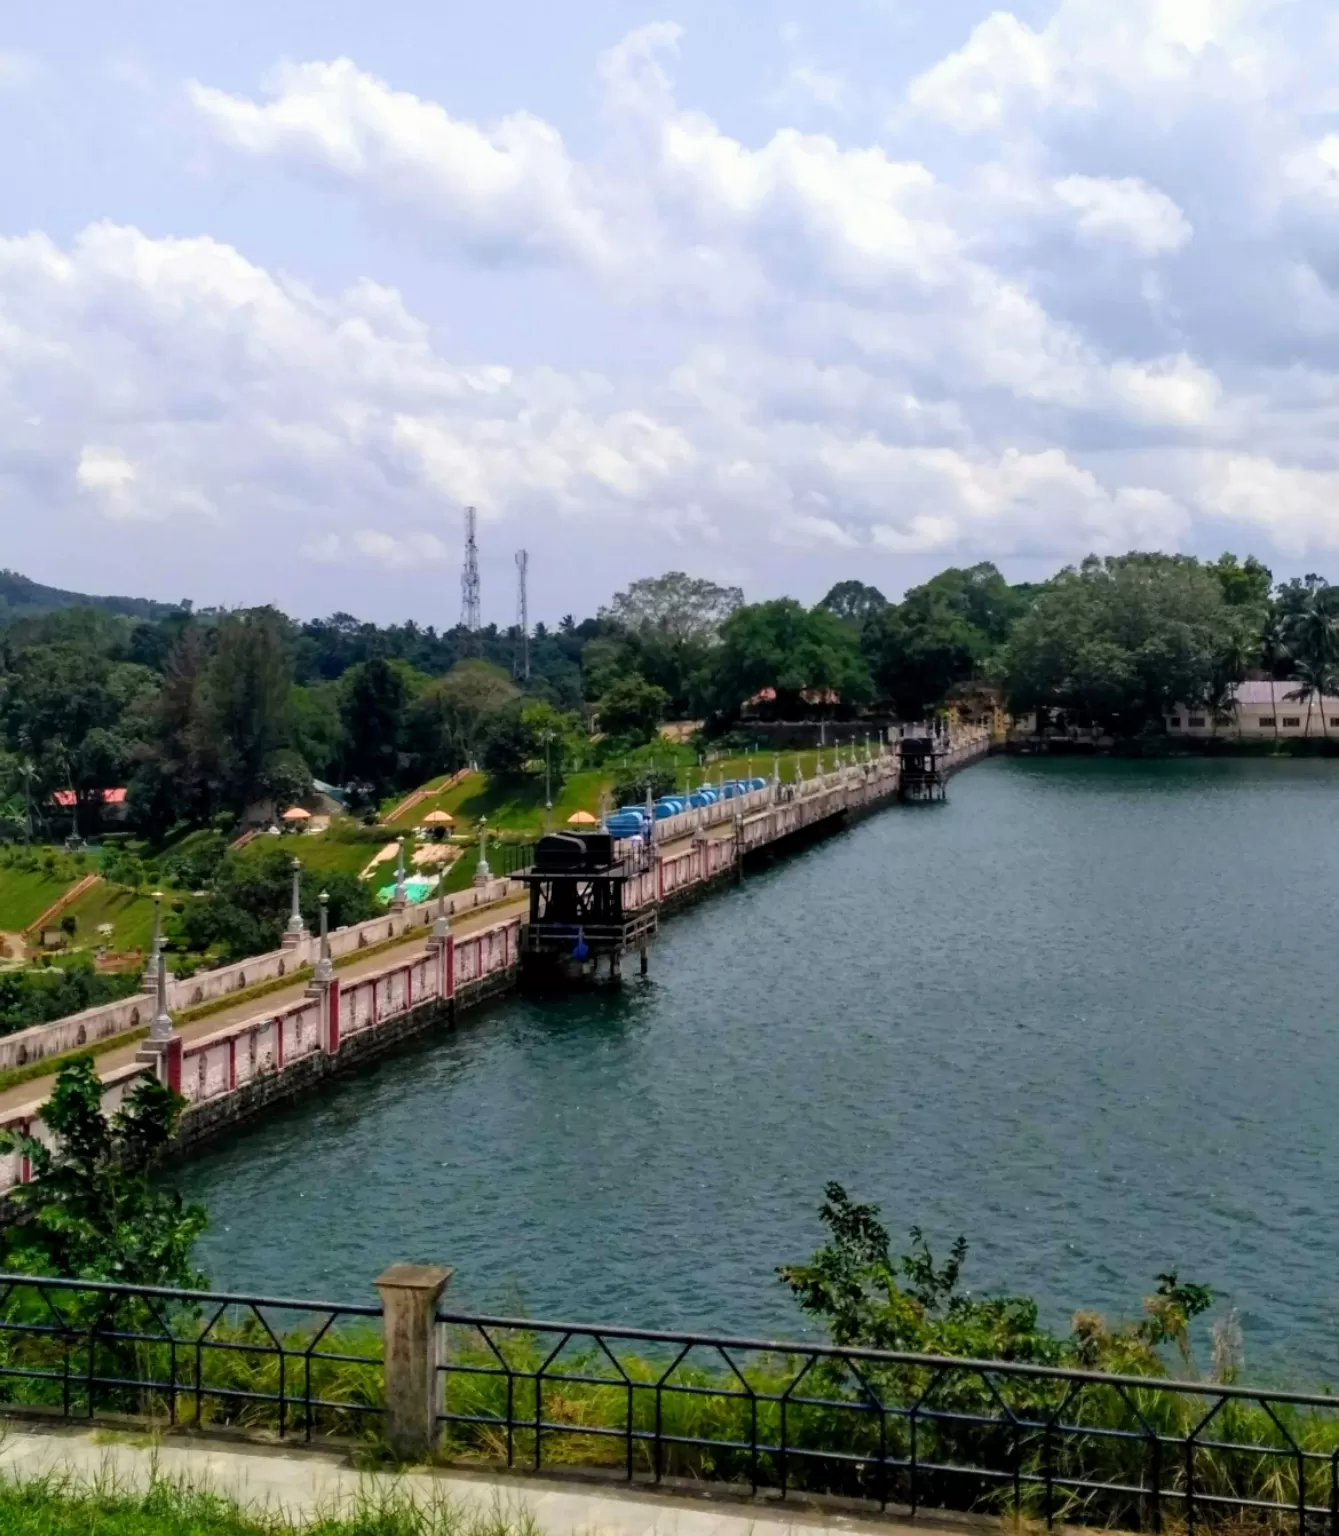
[[775, 292]]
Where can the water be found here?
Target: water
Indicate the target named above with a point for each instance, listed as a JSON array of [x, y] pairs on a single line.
[[1084, 1015]]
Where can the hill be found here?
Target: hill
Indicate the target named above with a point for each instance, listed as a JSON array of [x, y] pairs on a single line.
[[21, 597]]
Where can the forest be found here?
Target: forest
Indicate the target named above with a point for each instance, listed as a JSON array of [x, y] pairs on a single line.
[[200, 714]]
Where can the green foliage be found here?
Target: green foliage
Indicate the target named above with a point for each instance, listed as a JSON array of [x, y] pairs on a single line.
[[793, 650], [248, 690], [680, 607], [92, 1211], [632, 786], [1120, 641], [631, 709], [940, 635], [53, 1506], [865, 1296], [372, 705], [41, 997], [854, 602], [246, 910]]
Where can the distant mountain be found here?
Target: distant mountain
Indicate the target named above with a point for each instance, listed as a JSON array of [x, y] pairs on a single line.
[[21, 598]]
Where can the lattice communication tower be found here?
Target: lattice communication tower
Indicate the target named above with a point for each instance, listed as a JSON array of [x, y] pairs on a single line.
[[520, 666], [469, 578]]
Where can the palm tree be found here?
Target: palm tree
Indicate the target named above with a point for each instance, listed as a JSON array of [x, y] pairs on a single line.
[[1313, 637], [1315, 679], [1234, 660], [1273, 653]]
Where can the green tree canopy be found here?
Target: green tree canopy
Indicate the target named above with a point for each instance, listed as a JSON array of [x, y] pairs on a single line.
[[794, 650], [677, 606], [854, 601], [92, 1211], [1120, 641], [632, 709], [248, 690]]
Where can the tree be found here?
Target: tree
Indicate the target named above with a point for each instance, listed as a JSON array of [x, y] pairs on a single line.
[[632, 709], [866, 1297], [92, 1210], [1246, 583], [245, 912], [248, 688], [445, 724], [854, 602], [941, 634], [1121, 641], [793, 650], [173, 780], [1274, 654], [372, 705], [678, 606]]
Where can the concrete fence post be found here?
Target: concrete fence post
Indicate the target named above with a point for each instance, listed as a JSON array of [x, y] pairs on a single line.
[[412, 1349]]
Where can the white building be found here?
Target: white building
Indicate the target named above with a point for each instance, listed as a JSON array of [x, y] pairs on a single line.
[[1261, 710]]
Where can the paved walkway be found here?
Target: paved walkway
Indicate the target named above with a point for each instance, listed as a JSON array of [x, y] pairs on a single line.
[[299, 1483], [35, 1092]]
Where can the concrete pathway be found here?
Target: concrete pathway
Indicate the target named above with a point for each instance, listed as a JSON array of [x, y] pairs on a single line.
[[302, 1483], [37, 1090]]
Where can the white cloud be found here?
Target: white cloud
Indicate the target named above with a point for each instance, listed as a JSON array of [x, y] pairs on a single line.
[[1126, 210], [505, 189], [394, 551], [877, 349], [107, 474]]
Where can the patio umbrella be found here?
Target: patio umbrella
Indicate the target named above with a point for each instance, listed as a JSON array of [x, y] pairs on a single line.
[[582, 819], [439, 819], [296, 813]]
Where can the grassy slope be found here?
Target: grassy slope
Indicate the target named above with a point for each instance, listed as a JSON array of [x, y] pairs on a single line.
[[517, 805], [24, 896], [131, 917]]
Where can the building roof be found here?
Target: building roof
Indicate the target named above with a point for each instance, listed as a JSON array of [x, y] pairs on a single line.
[[1257, 691], [66, 798]]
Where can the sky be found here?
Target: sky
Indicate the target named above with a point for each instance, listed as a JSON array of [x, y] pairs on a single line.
[[776, 293]]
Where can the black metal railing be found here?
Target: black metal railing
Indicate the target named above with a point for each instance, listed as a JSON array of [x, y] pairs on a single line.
[[902, 1430], [511, 858], [85, 1350]]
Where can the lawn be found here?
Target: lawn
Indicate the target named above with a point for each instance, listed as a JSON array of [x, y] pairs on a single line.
[[26, 894], [517, 804], [130, 915]]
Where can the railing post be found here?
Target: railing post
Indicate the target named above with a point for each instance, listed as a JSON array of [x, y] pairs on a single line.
[[412, 1354]]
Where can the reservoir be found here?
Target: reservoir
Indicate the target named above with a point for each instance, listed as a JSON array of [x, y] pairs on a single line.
[[1086, 1014]]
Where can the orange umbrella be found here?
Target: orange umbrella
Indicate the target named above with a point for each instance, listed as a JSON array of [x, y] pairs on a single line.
[[582, 819], [296, 813]]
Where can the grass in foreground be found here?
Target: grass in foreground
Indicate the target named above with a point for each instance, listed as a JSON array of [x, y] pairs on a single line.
[[63, 1507]]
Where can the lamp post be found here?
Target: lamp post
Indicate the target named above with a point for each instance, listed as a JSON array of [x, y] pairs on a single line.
[[482, 873], [160, 1027], [442, 923], [296, 927], [155, 958], [325, 966]]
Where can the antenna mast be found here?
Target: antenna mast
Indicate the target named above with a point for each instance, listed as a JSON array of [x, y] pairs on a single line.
[[469, 578], [520, 666]]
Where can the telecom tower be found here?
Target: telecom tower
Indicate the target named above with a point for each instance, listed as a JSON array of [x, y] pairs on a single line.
[[469, 578], [520, 666]]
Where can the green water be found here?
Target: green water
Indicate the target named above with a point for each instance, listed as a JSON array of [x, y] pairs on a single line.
[[1084, 1014]]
